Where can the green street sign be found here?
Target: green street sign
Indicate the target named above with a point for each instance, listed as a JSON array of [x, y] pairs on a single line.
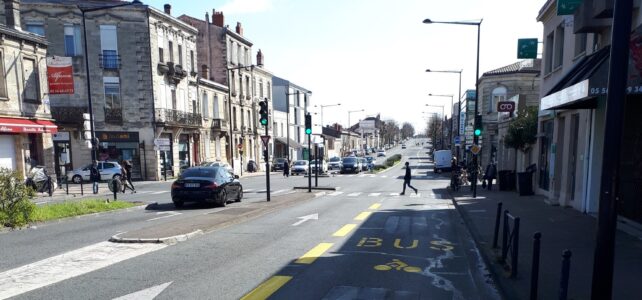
[[567, 7], [527, 48]]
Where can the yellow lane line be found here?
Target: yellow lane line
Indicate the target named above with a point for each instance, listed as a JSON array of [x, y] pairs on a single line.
[[375, 206], [345, 230], [267, 288], [362, 216], [313, 254]]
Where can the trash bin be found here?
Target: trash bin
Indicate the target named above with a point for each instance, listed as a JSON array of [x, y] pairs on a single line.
[[525, 181], [506, 180]]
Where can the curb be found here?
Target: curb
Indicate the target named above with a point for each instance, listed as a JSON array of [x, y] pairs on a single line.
[[320, 188], [171, 240]]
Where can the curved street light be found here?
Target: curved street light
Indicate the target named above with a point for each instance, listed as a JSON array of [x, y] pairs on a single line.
[[458, 100], [324, 106]]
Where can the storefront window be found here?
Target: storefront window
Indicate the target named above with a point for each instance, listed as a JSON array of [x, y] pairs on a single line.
[[183, 152], [119, 146], [166, 157], [545, 145]]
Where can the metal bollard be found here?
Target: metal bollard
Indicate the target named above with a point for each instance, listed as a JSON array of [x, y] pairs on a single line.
[[67, 186], [566, 268], [514, 249], [81, 189], [535, 265], [505, 237], [497, 222]]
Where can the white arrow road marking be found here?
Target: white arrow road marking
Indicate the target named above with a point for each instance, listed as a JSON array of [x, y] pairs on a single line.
[[146, 294], [170, 213], [67, 265], [305, 218]]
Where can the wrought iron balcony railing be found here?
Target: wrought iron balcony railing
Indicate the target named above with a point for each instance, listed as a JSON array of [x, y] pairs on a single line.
[[178, 118], [219, 125]]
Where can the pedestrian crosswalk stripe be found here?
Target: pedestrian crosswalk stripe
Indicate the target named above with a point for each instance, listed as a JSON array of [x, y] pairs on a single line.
[[394, 194], [415, 195], [354, 194], [362, 175], [384, 176], [374, 194], [335, 193]]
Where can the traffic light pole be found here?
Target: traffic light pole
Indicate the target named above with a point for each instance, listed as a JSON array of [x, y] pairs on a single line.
[[267, 166], [475, 137], [309, 162]]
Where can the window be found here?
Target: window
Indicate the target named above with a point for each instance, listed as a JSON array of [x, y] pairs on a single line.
[[195, 106], [580, 44], [498, 94], [261, 88], [3, 79], [558, 56], [36, 28], [30, 71], [216, 112], [112, 93], [239, 54], [174, 100], [191, 61], [171, 51], [247, 57], [161, 55], [109, 46], [72, 40], [247, 86], [230, 54], [548, 54], [206, 113], [180, 54], [269, 93]]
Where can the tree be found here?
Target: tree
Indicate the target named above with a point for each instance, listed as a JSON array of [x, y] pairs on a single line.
[[389, 131], [433, 130], [407, 130], [522, 131]]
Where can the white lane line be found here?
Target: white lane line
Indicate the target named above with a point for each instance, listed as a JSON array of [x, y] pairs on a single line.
[[374, 194], [168, 213], [146, 294], [354, 194], [335, 193], [159, 192], [383, 176], [280, 191], [143, 192], [394, 194], [249, 190], [43, 202], [67, 265]]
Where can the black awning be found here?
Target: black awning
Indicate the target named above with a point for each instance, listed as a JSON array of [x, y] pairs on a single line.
[[284, 141], [583, 69]]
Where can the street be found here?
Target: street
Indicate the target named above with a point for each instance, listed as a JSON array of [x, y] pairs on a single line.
[[360, 241]]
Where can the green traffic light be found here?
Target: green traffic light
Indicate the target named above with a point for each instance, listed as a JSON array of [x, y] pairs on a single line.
[[308, 131], [477, 132], [263, 121]]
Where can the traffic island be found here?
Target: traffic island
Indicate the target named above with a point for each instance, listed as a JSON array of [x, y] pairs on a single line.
[[192, 226], [317, 188]]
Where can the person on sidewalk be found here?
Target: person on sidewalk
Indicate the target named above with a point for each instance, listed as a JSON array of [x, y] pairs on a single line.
[[490, 174], [126, 177], [286, 168], [406, 180], [94, 176]]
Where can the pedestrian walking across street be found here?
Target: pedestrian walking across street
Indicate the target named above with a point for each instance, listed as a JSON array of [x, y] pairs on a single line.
[[286, 168], [126, 177], [406, 180]]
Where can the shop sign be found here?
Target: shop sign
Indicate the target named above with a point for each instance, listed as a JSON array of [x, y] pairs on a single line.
[[60, 75], [505, 106], [162, 144], [117, 136], [61, 136]]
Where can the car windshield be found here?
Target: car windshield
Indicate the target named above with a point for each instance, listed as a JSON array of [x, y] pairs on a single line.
[[350, 160], [300, 163], [335, 159], [369, 159], [199, 172]]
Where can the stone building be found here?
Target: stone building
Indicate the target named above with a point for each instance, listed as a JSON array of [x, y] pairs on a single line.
[[517, 82], [294, 100], [26, 126], [142, 63]]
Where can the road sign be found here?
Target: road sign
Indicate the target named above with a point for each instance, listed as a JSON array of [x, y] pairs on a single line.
[[457, 140], [527, 48], [240, 146], [567, 7], [475, 149], [265, 139], [161, 142]]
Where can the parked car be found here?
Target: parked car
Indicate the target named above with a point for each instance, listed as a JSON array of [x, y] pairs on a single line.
[[335, 163], [299, 167], [364, 164], [277, 164], [206, 184], [351, 164], [442, 160], [381, 153], [107, 169], [226, 166], [323, 168]]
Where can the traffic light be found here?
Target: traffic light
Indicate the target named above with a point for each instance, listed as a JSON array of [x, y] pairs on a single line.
[[263, 112], [266, 157], [308, 124], [478, 125]]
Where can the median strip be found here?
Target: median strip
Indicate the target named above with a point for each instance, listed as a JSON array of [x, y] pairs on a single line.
[[313, 254], [67, 209], [267, 288]]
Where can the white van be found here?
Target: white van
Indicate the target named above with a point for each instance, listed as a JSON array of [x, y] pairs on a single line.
[[442, 160]]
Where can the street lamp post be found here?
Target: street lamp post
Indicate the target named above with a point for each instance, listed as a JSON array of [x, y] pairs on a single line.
[[229, 96], [90, 103], [458, 101], [323, 106], [451, 119], [475, 138]]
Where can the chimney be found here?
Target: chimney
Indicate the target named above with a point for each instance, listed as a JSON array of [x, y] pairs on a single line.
[[207, 18], [217, 18], [259, 58], [168, 9], [205, 72], [12, 14], [239, 28]]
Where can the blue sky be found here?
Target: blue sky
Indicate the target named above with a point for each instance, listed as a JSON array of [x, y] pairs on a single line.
[[372, 54]]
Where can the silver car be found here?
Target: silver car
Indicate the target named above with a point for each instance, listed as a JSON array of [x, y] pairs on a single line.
[[107, 169], [300, 167]]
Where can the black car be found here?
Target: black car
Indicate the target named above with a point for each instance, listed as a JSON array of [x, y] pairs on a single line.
[[206, 184], [277, 164], [351, 164]]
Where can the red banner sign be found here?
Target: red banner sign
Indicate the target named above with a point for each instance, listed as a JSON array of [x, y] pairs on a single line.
[[60, 75], [505, 106]]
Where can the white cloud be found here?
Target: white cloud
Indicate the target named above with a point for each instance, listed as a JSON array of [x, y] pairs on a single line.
[[246, 6]]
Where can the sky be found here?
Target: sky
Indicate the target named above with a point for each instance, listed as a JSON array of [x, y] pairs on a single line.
[[372, 54]]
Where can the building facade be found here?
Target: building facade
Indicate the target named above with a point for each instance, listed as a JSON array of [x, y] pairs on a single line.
[[294, 100], [26, 127]]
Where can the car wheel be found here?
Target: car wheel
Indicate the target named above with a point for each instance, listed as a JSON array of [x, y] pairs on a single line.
[[178, 203], [240, 195], [116, 176], [76, 179], [222, 198]]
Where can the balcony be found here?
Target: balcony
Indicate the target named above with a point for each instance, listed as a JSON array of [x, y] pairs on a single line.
[[220, 125], [178, 118], [109, 61], [584, 20], [68, 114]]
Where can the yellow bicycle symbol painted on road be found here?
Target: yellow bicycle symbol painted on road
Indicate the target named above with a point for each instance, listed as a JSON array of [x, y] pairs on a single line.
[[397, 265]]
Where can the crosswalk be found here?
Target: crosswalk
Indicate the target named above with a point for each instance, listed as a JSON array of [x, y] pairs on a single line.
[[415, 176], [375, 194]]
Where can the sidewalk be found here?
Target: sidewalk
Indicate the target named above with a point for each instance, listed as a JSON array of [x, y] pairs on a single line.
[[78, 192], [561, 228]]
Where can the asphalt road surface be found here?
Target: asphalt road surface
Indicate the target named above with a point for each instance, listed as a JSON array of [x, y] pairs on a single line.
[[361, 241]]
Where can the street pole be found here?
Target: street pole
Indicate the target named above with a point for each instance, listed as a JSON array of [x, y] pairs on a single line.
[[267, 164], [459, 117], [309, 162], [476, 138], [94, 155], [602, 284]]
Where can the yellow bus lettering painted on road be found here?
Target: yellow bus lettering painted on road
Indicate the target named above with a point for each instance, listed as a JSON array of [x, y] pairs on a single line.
[[397, 244], [370, 242], [441, 245]]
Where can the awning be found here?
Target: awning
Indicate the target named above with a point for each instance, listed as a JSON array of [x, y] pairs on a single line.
[[284, 141], [13, 125]]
